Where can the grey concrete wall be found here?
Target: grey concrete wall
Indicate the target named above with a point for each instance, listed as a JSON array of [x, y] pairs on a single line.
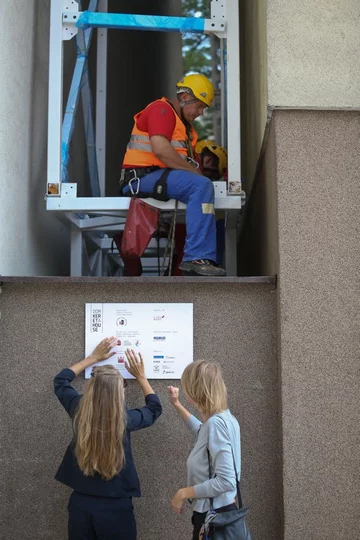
[[318, 163], [258, 243], [253, 84], [31, 242], [42, 331], [313, 53]]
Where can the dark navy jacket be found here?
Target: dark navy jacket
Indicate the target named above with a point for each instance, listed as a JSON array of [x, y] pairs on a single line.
[[126, 483]]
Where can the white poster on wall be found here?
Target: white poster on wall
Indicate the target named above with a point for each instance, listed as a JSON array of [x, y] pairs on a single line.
[[162, 333]]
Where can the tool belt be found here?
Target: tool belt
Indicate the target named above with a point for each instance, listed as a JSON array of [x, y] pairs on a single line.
[[132, 177]]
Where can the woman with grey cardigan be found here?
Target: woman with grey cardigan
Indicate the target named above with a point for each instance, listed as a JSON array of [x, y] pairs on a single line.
[[217, 438]]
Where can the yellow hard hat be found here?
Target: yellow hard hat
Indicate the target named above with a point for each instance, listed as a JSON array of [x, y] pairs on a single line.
[[217, 150], [199, 86]]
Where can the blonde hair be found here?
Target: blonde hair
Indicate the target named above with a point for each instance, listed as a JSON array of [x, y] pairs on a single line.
[[100, 424], [204, 384]]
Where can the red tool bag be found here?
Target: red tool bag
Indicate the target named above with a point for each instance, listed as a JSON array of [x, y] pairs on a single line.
[[141, 224]]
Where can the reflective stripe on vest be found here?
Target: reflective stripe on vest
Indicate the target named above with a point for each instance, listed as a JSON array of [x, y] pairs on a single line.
[[139, 152], [145, 145]]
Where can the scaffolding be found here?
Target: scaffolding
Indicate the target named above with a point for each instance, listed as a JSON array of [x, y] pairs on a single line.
[[93, 220]]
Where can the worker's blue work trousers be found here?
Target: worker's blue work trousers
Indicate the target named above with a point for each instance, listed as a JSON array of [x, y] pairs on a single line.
[[197, 192], [100, 518]]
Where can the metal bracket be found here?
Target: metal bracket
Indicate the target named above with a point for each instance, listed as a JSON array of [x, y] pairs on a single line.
[[217, 27], [220, 189], [217, 23], [69, 190], [69, 19]]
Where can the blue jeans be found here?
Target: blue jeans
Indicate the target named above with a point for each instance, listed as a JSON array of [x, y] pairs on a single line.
[[197, 192]]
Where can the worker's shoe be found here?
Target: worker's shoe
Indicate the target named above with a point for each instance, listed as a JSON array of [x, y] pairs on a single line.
[[201, 267]]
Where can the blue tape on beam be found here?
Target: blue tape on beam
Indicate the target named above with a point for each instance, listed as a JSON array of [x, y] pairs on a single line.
[[121, 21], [70, 112], [64, 161]]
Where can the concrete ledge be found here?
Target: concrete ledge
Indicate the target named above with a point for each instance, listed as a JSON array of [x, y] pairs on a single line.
[[268, 280]]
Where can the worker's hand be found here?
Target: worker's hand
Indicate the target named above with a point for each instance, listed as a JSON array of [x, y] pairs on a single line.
[[135, 364], [102, 351], [174, 395]]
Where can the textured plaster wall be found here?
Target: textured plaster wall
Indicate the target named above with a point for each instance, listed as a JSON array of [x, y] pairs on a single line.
[[253, 84], [313, 53], [42, 330], [31, 241], [318, 163]]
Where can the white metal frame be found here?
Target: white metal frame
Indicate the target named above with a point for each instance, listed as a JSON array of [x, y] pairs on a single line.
[[62, 197]]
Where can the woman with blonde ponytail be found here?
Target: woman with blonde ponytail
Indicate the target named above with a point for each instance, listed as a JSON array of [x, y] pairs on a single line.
[[214, 464], [98, 464]]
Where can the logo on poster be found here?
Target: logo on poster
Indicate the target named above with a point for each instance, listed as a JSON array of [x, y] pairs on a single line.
[[121, 321]]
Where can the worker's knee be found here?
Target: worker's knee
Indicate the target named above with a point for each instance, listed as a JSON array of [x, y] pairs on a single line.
[[206, 186]]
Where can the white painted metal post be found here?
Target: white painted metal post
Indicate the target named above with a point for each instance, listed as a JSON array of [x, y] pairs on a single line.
[[101, 79], [233, 127], [55, 93], [233, 92], [76, 255]]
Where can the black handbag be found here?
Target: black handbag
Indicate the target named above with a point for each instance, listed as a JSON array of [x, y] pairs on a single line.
[[229, 525]]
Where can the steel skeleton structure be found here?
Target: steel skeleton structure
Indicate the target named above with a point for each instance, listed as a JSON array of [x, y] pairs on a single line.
[[93, 218]]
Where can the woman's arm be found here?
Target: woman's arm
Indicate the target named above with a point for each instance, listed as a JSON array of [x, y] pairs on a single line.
[[224, 478], [192, 423], [223, 472], [145, 416], [66, 394], [101, 352]]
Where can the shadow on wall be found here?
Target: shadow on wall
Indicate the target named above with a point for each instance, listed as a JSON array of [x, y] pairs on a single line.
[[49, 237]]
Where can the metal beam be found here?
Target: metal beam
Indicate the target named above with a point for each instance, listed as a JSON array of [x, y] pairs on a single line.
[[92, 204], [101, 95], [156, 23]]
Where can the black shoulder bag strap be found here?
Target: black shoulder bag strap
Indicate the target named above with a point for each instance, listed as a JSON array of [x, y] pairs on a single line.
[[235, 469]]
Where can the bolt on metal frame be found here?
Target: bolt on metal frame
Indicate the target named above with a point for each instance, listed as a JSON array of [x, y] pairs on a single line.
[[93, 217]]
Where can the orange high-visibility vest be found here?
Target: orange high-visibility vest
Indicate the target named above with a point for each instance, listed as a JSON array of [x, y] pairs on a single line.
[[139, 153]]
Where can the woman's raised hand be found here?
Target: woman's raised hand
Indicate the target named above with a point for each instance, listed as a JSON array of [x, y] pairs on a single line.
[[102, 350], [173, 395], [135, 364]]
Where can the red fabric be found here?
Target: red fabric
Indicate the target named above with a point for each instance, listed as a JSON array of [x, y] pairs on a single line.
[[158, 119], [141, 223], [180, 236], [132, 267]]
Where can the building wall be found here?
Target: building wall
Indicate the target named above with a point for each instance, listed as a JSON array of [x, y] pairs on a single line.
[[313, 53], [31, 242], [318, 194], [42, 329], [258, 244], [253, 84]]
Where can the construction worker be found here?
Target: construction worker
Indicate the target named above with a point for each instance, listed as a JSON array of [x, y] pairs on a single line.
[[159, 163]]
